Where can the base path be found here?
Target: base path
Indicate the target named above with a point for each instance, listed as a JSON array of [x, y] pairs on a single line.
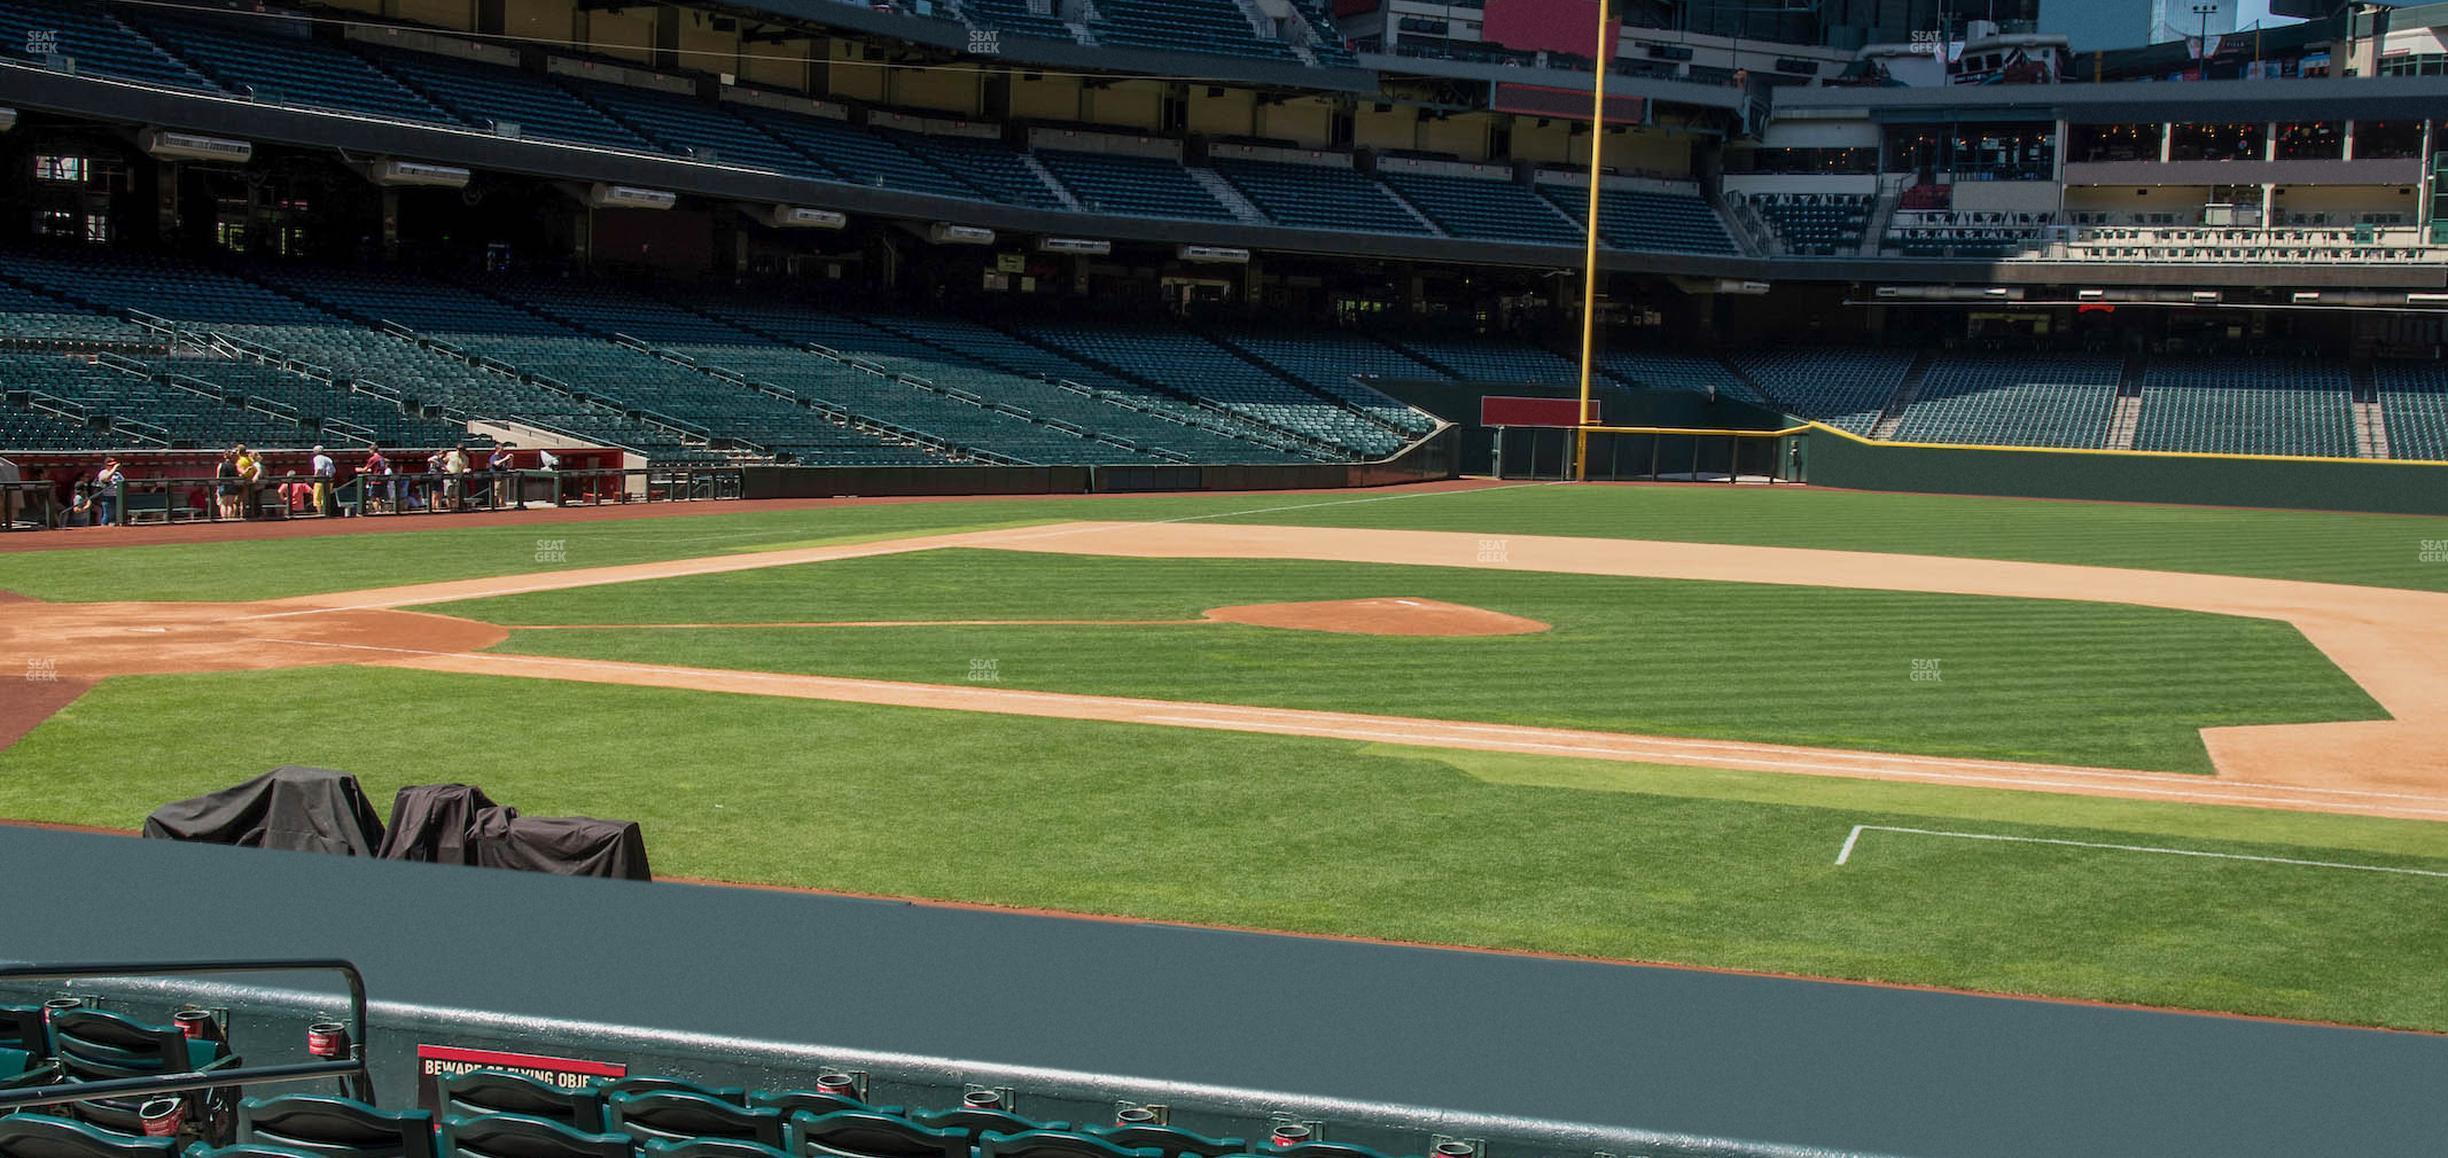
[[1412, 731]]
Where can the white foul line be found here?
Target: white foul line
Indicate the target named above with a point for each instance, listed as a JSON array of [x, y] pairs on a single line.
[[1845, 853]]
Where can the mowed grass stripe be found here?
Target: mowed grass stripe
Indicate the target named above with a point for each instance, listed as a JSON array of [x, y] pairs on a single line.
[[2331, 547], [2375, 550], [2062, 682], [1322, 836]]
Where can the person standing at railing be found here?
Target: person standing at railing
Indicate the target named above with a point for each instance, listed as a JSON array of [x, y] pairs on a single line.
[[107, 482], [455, 471], [373, 482], [324, 470], [225, 485], [499, 464], [250, 479]]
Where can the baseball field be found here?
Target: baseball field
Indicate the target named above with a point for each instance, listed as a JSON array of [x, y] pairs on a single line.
[[2182, 757]]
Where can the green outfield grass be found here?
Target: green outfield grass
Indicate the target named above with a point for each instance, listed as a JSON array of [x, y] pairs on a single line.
[[2375, 550], [1705, 867], [2020, 679]]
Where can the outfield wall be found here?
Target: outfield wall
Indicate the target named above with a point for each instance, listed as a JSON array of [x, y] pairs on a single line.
[[1525, 456], [1429, 459], [1834, 459]]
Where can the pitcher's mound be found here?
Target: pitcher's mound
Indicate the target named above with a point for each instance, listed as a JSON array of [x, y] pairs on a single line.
[[1380, 617]]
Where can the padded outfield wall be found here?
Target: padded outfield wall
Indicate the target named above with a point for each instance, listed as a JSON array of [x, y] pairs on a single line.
[[1835, 459], [1427, 460], [1527, 452]]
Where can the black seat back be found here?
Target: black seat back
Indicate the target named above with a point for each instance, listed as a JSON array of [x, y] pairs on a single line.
[[655, 1083], [1172, 1141], [525, 1136], [817, 1102], [710, 1148], [42, 1136], [867, 1134], [674, 1115], [479, 1092], [974, 1122], [92, 1045], [1055, 1144], [339, 1127], [21, 1028]]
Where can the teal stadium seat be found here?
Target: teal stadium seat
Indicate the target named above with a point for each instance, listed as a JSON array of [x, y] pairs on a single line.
[[709, 1148], [973, 1123], [1133, 186], [675, 1115], [1170, 1141], [96, 41], [867, 1134], [1055, 1144], [793, 1103], [657, 1083], [92, 1045], [482, 1092], [335, 1127], [44, 1136], [526, 1136], [1319, 196], [1484, 208]]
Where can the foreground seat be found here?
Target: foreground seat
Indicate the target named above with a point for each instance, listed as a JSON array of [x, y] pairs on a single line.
[[21, 1028], [656, 1083], [678, 1115], [526, 1136], [1055, 1144], [867, 1134], [975, 1122], [248, 1150], [336, 1127], [42, 1136], [818, 1102], [19, 1069], [479, 1092], [1171, 1141], [92, 1046], [710, 1148]]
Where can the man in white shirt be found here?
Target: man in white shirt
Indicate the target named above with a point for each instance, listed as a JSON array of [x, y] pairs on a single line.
[[325, 470]]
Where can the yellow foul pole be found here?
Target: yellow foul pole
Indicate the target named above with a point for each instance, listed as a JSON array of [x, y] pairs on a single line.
[[1589, 257]]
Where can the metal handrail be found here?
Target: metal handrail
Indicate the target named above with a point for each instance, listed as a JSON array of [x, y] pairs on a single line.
[[351, 1070]]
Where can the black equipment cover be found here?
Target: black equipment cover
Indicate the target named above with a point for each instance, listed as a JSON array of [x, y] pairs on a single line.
[[305, 809], [431, 822], [570, 846]]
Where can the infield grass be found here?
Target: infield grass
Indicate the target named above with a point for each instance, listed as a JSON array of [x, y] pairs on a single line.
[[1613, 860], [2017, 679], [2374, 550]]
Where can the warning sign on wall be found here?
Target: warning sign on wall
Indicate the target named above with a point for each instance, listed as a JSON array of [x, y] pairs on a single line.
[[435, 1062], [1507, 410]]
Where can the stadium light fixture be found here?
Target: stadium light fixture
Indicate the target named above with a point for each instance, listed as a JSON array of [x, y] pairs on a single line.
[[2208, 297], [2427, 299], [2306, 297], [2091, 295]]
